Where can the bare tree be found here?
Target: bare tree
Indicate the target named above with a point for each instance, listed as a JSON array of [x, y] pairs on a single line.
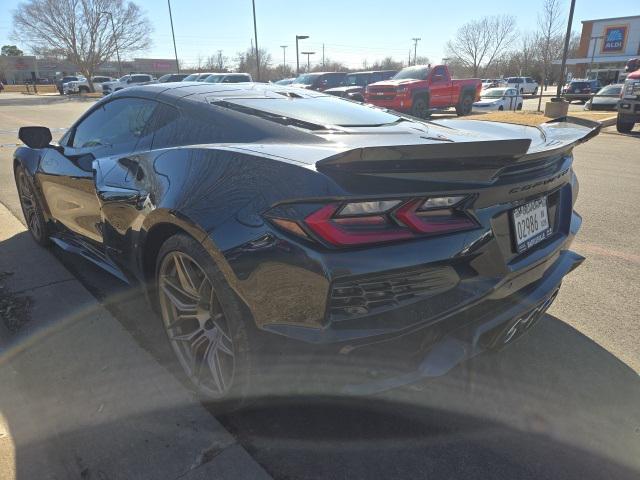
[[550, 38], [247, 63], [478, 43], [82, 29]]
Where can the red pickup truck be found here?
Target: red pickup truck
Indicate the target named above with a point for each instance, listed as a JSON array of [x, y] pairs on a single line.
[[416, 90]]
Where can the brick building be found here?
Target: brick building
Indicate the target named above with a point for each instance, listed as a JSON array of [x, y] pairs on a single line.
[[605, 47], [18, 69]]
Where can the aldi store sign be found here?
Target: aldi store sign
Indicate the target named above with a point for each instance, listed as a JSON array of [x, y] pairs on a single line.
[[614, 39]]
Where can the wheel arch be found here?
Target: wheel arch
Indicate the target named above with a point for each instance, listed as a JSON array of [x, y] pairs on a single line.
[[157, 234]]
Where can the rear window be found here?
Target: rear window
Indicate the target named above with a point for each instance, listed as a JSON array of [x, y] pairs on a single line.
[[321, 110], [580, 84], [610, 90], [515, 80], [307, 79]]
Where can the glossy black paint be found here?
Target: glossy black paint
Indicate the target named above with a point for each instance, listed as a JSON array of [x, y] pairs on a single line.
[[213, 172]]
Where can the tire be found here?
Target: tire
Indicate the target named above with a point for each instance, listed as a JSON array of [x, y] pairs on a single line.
[[535, 92], [212, 346], [519, 106], [622, 126], [420, 107], [500, 108], [522, 91], [83, 89], [465, 105], [31, 208]]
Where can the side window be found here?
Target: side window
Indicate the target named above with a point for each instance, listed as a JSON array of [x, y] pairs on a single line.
[[440, 71], [333, 80], [375, 77], [119, 124], [165, 131], [140, 78]]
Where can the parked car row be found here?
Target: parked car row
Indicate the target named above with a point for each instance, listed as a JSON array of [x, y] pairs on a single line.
[[524, 85]]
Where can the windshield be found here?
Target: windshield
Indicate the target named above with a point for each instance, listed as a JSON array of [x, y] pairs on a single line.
[[307, 79], [190, 78], [415, 73], [494, 92], [214, 78], [515, 80], [125, 78], [610, 90], [352, 79]]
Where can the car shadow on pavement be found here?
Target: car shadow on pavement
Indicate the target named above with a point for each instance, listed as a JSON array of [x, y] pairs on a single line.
[[552, 405]]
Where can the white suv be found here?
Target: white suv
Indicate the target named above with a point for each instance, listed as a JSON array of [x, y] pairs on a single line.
[[525, 85], [82, 85], [127, 81]]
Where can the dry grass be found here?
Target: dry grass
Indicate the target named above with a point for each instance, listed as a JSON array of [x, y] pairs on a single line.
[[536, 118]]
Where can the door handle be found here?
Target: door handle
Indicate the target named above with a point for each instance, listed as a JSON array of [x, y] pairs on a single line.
[[109, 194]]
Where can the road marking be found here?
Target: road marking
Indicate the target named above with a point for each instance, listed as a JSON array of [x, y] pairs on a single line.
[[607, 252]]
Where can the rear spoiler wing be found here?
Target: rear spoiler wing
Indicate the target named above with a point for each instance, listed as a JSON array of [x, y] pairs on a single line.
[[477, 160], [559, 134]]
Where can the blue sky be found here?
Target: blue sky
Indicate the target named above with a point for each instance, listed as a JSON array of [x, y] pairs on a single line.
[[352, 30]]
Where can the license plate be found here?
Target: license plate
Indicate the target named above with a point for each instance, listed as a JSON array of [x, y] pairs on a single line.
[[379, 93], [531, 223]]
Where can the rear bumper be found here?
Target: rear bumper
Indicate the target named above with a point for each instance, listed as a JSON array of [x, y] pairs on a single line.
[[576, 96], [426, 352]]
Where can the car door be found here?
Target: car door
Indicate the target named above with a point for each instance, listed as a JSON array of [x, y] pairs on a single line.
[[439, 88], [109, 131]]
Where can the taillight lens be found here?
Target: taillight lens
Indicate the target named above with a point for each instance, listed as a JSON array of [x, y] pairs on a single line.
[[381, 221]]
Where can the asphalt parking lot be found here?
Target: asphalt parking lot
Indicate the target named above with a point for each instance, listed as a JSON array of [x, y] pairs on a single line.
[[563, 402]]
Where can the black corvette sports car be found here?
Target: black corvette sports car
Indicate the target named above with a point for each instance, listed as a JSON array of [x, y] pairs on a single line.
[[256, 213]]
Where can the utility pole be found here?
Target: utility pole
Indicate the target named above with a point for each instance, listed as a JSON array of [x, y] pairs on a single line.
[[566, 48], [175, 50], [284, 58], [323, 56], [255, 34], [415, 50], [593, 53], [115, 41], [409, 60], [299, 37], [220, 62], [308, 54]]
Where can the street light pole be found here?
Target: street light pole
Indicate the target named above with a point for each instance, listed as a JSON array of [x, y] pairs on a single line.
[[308, 54], [593, 52], [566, 48], [284, 58], [299, 37], [115, 41], [255, 34], [173, 35], [415, 50]]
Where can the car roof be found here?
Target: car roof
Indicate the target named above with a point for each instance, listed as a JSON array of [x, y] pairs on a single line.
[[199, 91]]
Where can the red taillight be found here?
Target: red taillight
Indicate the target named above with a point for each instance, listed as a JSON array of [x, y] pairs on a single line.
[[402, 220], [432, 221], [354, 230]]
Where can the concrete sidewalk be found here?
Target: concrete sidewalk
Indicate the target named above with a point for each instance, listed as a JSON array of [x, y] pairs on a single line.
[[80, 399]]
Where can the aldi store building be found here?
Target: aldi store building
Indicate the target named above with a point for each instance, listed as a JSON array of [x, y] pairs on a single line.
[[606, 45]]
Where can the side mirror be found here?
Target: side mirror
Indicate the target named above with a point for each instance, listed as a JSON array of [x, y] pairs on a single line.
[[35, 137]]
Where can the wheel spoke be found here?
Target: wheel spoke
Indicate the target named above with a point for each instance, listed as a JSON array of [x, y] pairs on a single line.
[[216, 369], [185, 276], [170, 289]]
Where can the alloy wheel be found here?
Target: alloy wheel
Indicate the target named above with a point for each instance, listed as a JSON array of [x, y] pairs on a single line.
[[196, 324], [29, 206]]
